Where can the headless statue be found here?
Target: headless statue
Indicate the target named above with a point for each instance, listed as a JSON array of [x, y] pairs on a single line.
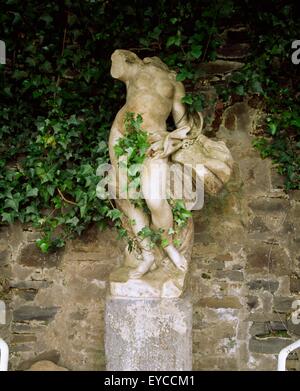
[[154, 93]]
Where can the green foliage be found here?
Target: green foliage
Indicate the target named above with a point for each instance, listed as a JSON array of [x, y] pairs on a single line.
[[270, 74], [282, 144], [58, 100], [180, 213], [180, 216], [133, 146], [154, 236]]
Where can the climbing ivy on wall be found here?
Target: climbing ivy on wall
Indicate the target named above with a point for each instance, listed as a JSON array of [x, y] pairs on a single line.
[[58, 99], [271, 76]]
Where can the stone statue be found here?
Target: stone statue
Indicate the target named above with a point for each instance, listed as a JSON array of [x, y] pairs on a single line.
[[159, 269]]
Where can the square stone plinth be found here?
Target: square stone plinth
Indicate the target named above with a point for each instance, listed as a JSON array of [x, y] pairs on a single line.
[[148, 334]]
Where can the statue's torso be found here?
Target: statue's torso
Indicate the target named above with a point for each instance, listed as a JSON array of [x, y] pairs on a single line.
[[150, 94]]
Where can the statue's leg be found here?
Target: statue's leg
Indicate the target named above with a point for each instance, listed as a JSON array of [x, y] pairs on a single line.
[[139, 220], [154, 183], [154, 188]]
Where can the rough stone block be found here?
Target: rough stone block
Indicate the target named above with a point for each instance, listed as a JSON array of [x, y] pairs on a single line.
[[259, 328], [295, 284], [292, 365], [148, 334], [214, 363], [21, 348], [270, 345], [224, 258], [279, 325], [32, 256], [232, 275], [283, 304], [263, 257], [233, 51], [27, 295], [269, 205], [49, 366], [25, 328], [257, 225], [22, 338], [222, 302], [277, 180], [293, 327], [51, 355], [3, 258], [266, 285], [252, 302], [34, 313]]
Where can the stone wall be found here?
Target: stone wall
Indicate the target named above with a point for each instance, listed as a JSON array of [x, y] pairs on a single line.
[[244, 275], [246, 260]]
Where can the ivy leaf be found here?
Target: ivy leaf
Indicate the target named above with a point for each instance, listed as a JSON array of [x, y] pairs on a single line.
[[57, 127], [196, 51], [144, 42], [114, 214], [273, 128], [12, 203], [19, 74], [134, 169], [31, 192], [164, 243], [177, 242], [7, 217], [173, 40], [119, 151], [145, 232], [73, 120], [184, 74], [240, 90], [256, 87], [187, 99], [43, 245], [31, 209], [47, 19], [73, 221], [296, 122]]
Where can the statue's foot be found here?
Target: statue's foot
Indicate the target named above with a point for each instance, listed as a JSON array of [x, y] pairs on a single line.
[[142, 269], [181, 263], [179, 260]]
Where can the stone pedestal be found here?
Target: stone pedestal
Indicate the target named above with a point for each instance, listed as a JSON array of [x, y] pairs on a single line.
[[148, 334]]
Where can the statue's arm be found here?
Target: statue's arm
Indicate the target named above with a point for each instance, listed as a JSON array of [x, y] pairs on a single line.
[[180, 114], [179, 111]]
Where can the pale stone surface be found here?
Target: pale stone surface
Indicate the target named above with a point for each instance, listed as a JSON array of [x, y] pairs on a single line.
[[148, 334]]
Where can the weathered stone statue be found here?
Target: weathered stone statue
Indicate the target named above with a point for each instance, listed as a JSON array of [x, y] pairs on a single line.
[[161, 228]]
